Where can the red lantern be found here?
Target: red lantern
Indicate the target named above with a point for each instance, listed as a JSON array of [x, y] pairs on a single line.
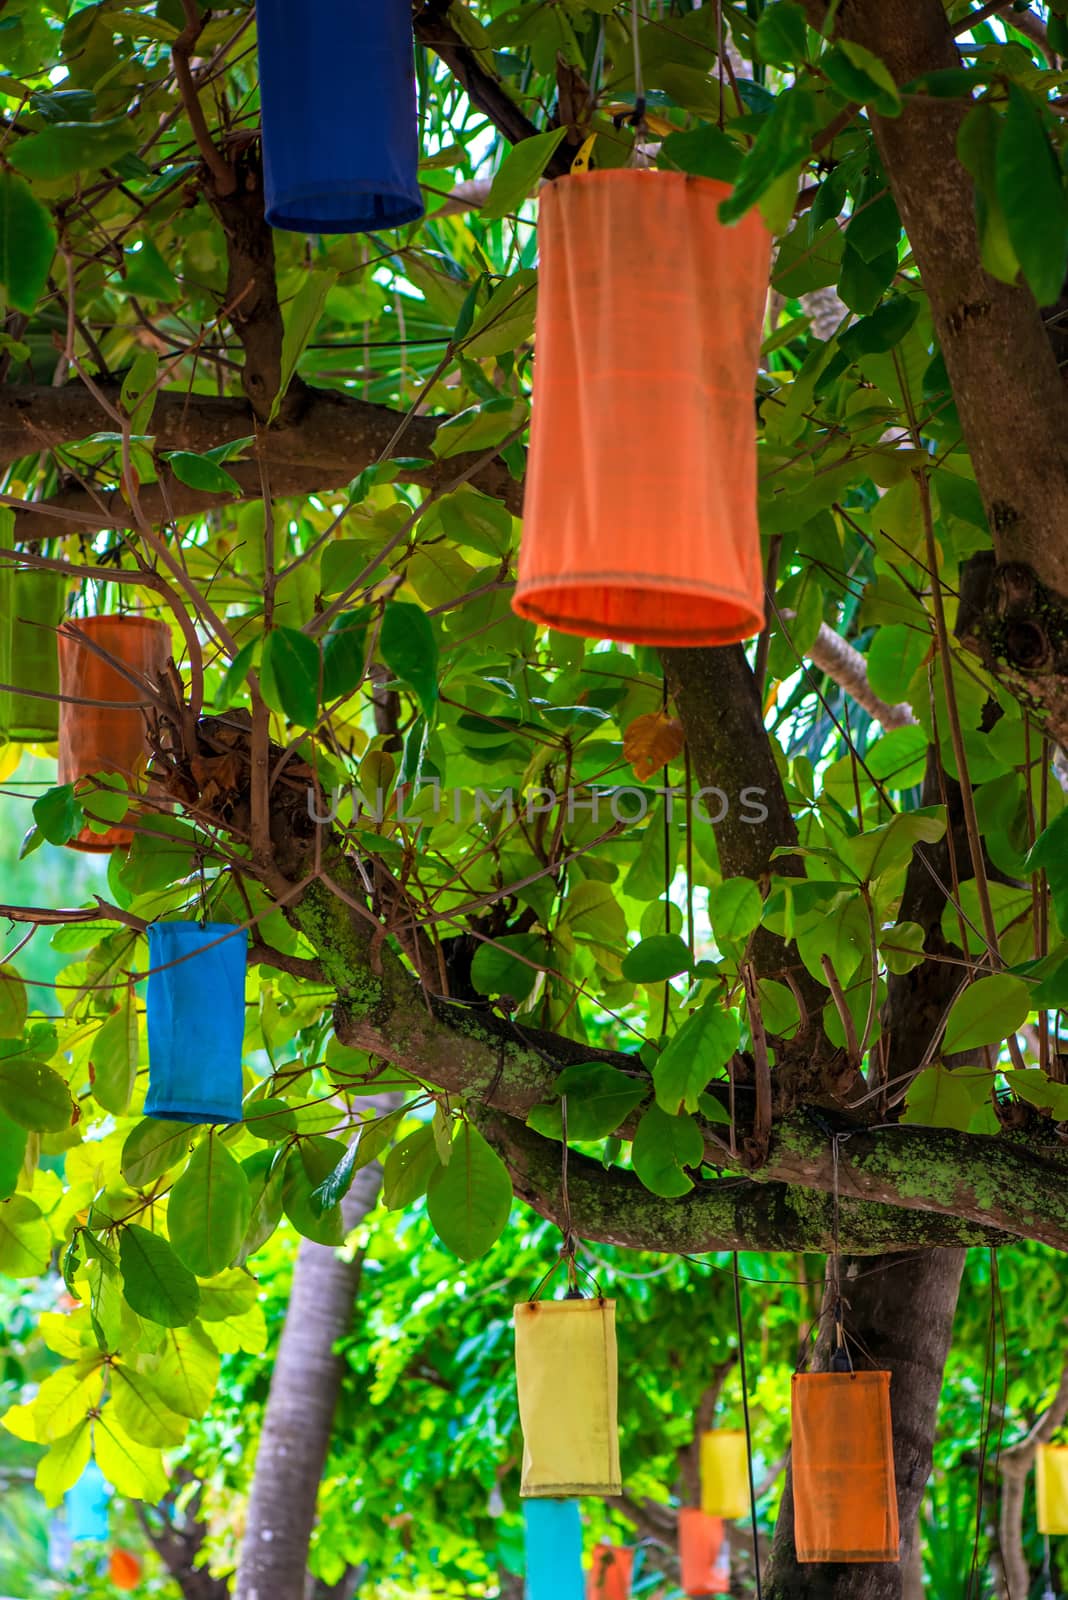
[[703, 1555], [610, 1573], [124, 1569]]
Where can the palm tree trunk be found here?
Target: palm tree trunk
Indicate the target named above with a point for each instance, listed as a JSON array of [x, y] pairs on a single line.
[[298, 1421]]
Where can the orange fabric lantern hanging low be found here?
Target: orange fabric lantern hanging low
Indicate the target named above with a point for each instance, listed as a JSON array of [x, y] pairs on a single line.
[[1051, 1488], [124, 1569], [845, 1495], [610, 1572], [104, 737], [703, 1556], [640, 522]]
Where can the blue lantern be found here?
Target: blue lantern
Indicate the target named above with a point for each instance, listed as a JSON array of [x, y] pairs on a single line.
[[86, 1504], [554, 1550], [340, 138], [196, 1021]]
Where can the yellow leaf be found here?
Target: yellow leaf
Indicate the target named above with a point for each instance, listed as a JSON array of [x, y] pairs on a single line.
[[61, 1466], [651, 742], [134, 1469]]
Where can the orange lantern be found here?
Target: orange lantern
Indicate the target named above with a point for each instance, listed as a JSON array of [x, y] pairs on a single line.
[[640, 521], [703, 1555], [104, 737], [124, 1569], [845, 1494], [610, 1573]]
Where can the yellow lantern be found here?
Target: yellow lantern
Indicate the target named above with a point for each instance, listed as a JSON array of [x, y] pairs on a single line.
[[1051, 1473], [724, 1474], [566, 1374]]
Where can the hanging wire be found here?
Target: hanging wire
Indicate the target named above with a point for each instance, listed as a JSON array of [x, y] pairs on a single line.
[[748, 1430], [639, 86], [841, 1360]]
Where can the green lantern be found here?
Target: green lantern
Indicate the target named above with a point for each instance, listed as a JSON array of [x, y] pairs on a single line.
[[32, 604]]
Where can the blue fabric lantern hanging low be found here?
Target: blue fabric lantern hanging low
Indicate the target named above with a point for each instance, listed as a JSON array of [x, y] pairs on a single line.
[[553, 1539], [196, 1020], [86, 1504], [340, 136]]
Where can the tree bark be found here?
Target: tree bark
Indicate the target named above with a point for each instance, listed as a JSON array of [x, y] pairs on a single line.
[[900, 1314], [300, 1408]]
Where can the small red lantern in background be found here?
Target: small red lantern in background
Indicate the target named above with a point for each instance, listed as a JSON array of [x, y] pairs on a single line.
[[703, 1556], [124, 1569], [610, 1572]]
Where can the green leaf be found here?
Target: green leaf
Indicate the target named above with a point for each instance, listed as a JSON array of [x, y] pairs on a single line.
[[336, 1185], [25, 1239], [184, 1372], [13, 1141], [860, 75], [784, 139], [663, 1145], [1032, 1085], [63, 1464], [13, 1007], [885, 328], [307, 1168], [599, 1099], [408, 1169], [1031, 191], [58, 814], [69, 147], [469, 1200], [410, 651], [209, 1209], [140, 1412], [233, 679], [289, 675], [269, 1119], [986, 1013], [27, 243], [779, 1009], [34, 1096], [694, 1056], [518, 173], [780, 35], [506, 321], [136, 1470], [902, 946], [162, 851], [889, 847], [148, 276], [300, 318], [113, 1056], [154, 1281], [895, 655], [1049, 853], [734, 909], [941, 1098], [510, 965], [706, 152], [197, 472], [661, 956], [153, 1148], [344, 648]]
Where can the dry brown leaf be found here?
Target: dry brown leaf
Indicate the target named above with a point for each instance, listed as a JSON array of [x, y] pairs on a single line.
[[651, 742]]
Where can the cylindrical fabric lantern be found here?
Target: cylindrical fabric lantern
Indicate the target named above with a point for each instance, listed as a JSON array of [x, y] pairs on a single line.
[[86, 1504], [105, 738], [703, 1556], [124, 1569], [1051, 1488], [553, 1544], [724, 1474], [610, 1572], [566, 1374], [196, 1021], [640, 521], [38, 603], [845, 1494], [340, 136]]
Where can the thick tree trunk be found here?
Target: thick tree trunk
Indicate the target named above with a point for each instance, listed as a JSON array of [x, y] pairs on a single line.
[[299, 1417], [900, 1315]]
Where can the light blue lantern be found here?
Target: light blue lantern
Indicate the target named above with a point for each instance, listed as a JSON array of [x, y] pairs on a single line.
[[196, 1020], [86, 1505], [554, 1550]]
